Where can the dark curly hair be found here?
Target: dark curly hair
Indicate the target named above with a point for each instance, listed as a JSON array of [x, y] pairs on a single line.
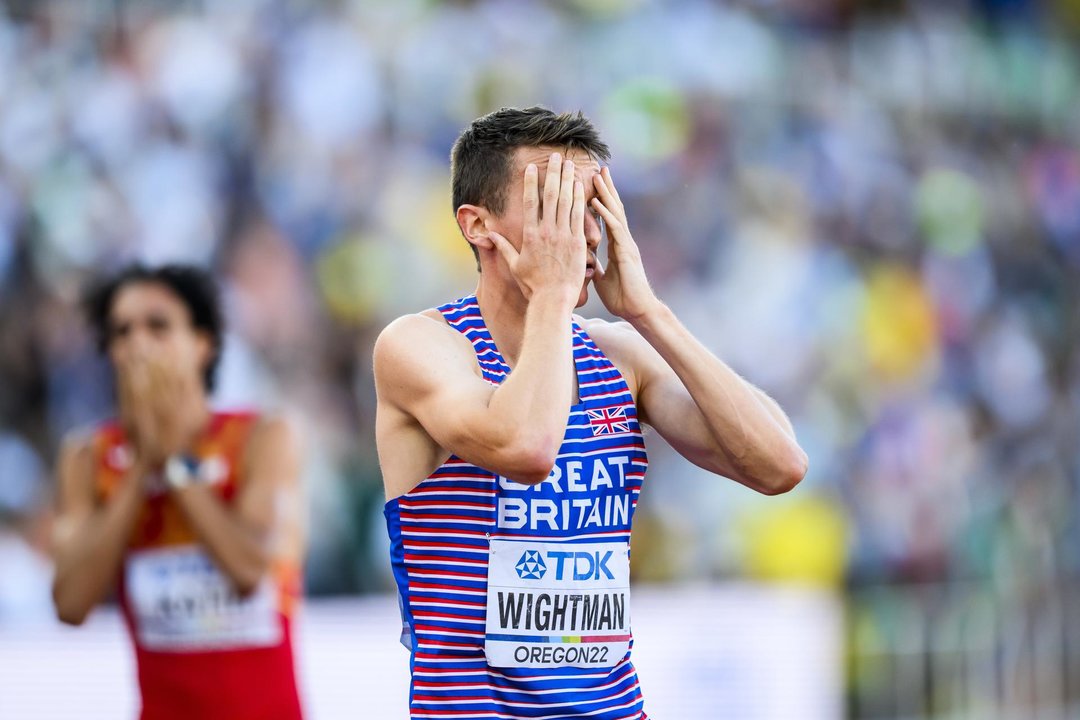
[[192, 285]]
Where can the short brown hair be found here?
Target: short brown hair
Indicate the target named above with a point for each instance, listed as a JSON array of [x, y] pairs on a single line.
[[481, 162]]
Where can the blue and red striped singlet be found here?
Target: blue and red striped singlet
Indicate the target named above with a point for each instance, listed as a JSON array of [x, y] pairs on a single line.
[[514, 598]]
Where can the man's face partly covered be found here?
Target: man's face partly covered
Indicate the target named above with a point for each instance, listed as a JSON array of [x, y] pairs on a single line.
[[148, 324], [511, 222]]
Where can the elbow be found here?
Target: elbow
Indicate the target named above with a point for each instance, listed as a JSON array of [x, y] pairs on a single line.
[[532, 471], [246, 583], [68, 612], [787, 474], [246, 586], [249, 578], [526, 477], [74, 618], [530, 462]]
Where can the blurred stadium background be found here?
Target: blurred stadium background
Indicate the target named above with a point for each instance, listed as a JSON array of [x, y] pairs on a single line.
[[869, 207]]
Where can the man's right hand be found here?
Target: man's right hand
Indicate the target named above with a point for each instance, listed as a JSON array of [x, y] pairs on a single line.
[[553, 250], [151, 397], [133, 383]]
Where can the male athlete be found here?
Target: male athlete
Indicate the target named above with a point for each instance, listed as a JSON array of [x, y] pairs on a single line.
[[509, 434], [193, 515]]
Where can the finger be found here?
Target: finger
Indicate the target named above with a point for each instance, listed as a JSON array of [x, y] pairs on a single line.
[[610, 221], [125, 398], [531, 200], [155, 387], [577, 212], [170, 389], [186, 383], [123, 385], [146, 440], [599, 270], [145, 391], [605, 172], [138, 385], [143, 424], [177, 381], [566, 193], [171, 374], [504, 247], [145, 415], [158, 380], [137, 381], [604, 192], [551, 190]]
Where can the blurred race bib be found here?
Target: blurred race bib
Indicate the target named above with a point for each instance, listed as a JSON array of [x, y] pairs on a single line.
[[181, 601]]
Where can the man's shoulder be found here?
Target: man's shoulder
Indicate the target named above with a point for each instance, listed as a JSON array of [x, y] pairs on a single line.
[[80, 447], [268, 429], [85, 438], [420, 328], [603, 325], [616, 336], [416, 340], [621, 343]]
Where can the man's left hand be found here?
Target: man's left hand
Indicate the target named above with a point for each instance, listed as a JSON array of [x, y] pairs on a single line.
[[621, 283]]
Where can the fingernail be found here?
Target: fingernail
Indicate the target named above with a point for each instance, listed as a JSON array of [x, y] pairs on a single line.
[[530, 168], [555, 157]]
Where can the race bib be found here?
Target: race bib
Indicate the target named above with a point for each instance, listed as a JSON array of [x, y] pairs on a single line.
[[552, 604], [181, 601]]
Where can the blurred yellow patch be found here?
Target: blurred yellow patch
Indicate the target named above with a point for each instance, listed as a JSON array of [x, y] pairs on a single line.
[[352, 276], [439, 232], [801, 540], [898, 322], [416, 208]]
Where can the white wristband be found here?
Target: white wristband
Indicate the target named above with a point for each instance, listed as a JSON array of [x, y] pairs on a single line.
[[181, 471]]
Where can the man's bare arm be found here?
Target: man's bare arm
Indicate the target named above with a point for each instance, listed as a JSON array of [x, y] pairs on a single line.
[[514, 429], [242, 539], [90, 539], [708, 413]]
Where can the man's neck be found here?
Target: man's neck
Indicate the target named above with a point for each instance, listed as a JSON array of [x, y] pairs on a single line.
[[503, 308]]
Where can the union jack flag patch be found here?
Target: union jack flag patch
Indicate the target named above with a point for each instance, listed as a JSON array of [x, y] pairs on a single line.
[[609, 421]]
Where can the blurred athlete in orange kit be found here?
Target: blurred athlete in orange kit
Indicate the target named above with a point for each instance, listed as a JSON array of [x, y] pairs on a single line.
[[193, 515]]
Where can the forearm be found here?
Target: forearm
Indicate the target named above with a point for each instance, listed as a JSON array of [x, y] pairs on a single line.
[[750, 434], [88, 559], [531, 407], [775, 410], [238, 550]]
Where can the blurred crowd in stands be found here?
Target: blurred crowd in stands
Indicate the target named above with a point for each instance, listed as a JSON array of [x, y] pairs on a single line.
[[871, 210]]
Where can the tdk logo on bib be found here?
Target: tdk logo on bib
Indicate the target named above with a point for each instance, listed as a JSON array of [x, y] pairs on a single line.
[[576, 565], [583, 565], [531, 566]]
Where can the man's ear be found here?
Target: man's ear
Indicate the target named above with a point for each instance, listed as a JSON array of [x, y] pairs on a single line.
[[472, 221]]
